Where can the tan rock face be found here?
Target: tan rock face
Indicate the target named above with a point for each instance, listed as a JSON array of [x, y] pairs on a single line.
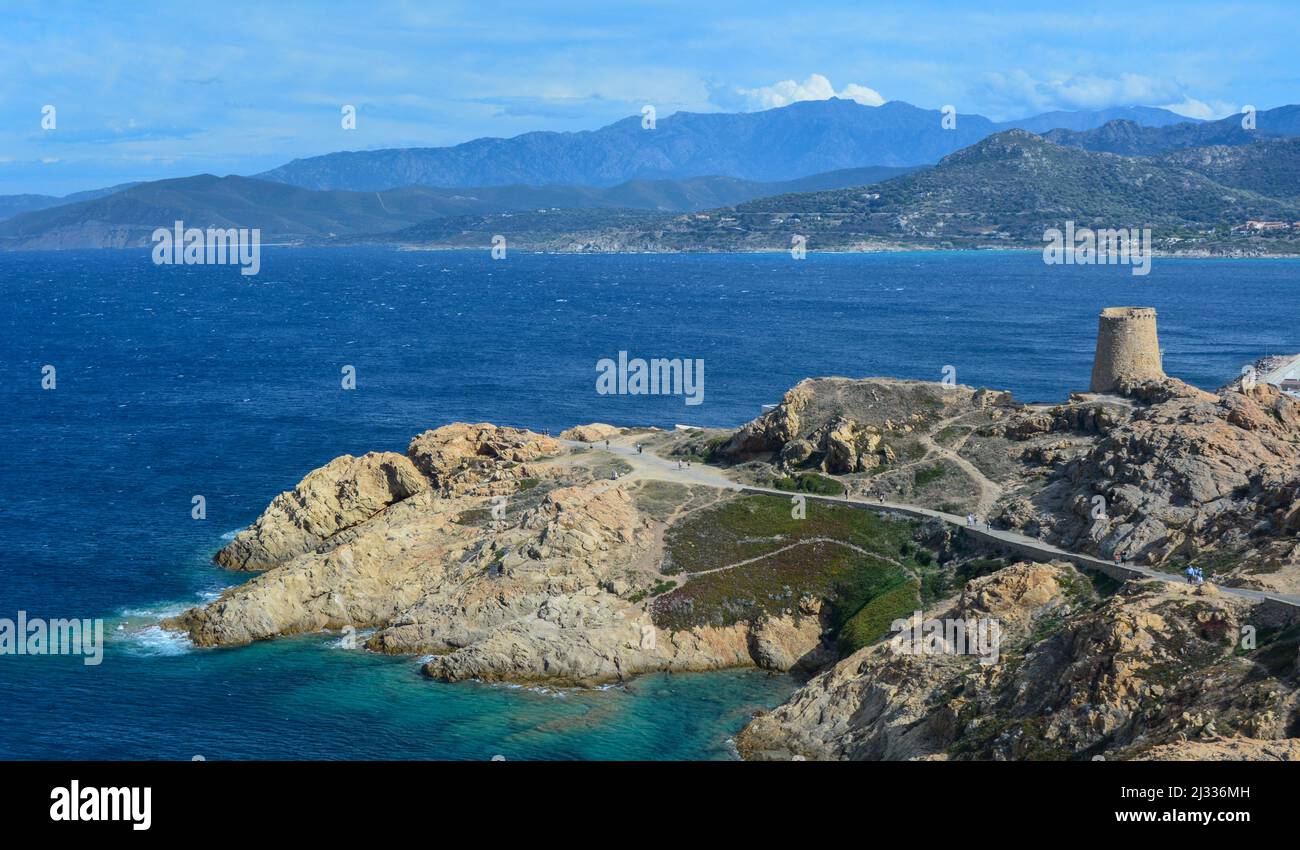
[[1192, 473], [503, 571], [1151, 672], [1226, 749], [879, 704], [344, 493], [786, 643], [458, 455], [596, 432], [841, 447]]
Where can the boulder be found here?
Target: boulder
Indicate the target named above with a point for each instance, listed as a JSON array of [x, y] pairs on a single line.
[[596, 432], [344, 493]]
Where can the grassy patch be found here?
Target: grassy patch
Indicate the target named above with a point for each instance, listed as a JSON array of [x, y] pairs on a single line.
[[657, 589], [908, 450], [809, 482], [850, 578], [607, 466], [659, 499], [871, 622], [775, 584], [950, 435], [930, 474], [747, 526], [477, 517]]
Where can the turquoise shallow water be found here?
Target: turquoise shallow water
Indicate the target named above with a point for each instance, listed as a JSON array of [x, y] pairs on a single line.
[[307, 698], [175, 381]]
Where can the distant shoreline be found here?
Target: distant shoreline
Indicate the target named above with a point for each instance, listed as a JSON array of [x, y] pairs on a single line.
[[907, 249]]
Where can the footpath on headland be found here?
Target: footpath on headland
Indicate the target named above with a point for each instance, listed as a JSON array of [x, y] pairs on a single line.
[[646, 465]]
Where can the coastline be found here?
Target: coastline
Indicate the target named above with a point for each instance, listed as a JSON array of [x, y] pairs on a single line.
[[921, 249]]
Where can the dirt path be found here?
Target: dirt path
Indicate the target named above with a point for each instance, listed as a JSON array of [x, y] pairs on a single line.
[[796, 545], [990, 491], [648, 465]]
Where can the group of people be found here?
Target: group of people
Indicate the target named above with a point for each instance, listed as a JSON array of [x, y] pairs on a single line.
[[1195, 575], [972, 521]]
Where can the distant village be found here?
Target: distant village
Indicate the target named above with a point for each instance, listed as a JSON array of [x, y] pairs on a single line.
[[1261, 226]]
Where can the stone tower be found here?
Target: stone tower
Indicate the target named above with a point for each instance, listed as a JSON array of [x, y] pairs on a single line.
[[1126, 348]]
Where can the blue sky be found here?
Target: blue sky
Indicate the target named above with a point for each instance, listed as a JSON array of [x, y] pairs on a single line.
[[149, 90]]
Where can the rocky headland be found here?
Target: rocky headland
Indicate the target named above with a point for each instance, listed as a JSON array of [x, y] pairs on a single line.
[[500, 554], [498, 551]]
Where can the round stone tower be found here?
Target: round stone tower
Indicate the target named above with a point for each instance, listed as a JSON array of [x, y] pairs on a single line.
[[1126, 348]]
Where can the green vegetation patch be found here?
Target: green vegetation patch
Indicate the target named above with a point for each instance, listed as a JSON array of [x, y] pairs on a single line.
[[657, 589], [871, 622], [659, 499], [950, 435], [809, 482], [794, 557], [775, 584], [748, 526], [930, 474]]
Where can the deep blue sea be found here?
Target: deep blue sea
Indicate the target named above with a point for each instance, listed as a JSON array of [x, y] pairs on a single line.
[[181, 381]]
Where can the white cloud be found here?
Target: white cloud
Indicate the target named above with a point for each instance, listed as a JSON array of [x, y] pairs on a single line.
[[1017, 90], [1193, 108], [816, 87]]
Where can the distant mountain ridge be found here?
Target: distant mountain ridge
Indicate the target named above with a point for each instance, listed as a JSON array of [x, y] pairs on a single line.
[[292, 214], [12, 205], [784, 143], [1004, 190], [1127, 138]]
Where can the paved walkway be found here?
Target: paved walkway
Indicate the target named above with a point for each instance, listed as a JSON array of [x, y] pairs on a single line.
[[650, 466], [1285, 370]]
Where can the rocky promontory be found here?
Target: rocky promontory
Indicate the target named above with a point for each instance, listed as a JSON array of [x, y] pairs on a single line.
[[496, 550], [501, 554]]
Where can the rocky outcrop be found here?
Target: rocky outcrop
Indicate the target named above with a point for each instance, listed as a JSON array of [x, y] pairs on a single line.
[[1189, 475], [878, 703], [771, 431], [340, 495], [481, 553], [845, 425], [596, 432], [458, 456], [1154, 671], [1226, 749], [787, 643]]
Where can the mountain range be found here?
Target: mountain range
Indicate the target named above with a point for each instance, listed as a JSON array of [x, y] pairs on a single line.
[[286, 213], [12, 205], [785, 143], [1128, 138], [1002, 191], [992, 185]]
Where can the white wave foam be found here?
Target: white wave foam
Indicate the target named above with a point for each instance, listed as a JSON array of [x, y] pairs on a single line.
[[156, 641]]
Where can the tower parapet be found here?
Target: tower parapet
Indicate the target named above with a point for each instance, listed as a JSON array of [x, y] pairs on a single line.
[[1127, 348]]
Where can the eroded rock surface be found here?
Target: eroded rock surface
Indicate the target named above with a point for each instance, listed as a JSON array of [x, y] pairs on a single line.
[[1149, 672], [340, 495], [1189, 475], [488, 548]]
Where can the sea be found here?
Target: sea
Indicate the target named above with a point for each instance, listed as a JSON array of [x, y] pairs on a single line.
[[129, 389]]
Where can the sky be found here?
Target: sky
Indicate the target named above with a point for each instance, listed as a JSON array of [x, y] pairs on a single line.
[[146, 90]]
